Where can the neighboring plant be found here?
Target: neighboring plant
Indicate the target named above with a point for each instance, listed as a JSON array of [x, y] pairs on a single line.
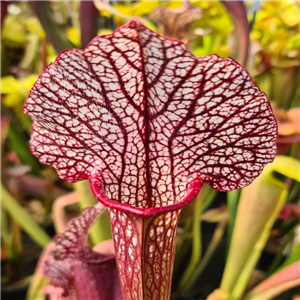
[[148, 124], [76, 269], [275, 63], [258, 208]]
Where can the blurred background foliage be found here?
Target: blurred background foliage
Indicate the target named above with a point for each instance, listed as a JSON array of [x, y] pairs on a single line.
[[34, 33]]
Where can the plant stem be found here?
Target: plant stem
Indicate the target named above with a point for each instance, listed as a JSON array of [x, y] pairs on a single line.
[[88, 15], [23, 219], [214, 243], [279, 256], [238, 14], [209, 196], [100, 230], [196, 247], [55, 35], [202, 201], [15, 241], [232, 203]]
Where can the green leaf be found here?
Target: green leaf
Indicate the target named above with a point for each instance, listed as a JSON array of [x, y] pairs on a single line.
[[285, 165], [143, 8], [19, 143], [14, 34], [295, 252], [16, 90], [33, 25], [258, 208], [23, 219], [8, 84], [290, 14]]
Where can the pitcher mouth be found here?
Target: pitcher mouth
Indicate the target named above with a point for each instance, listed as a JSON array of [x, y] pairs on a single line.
[[192, 190]]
